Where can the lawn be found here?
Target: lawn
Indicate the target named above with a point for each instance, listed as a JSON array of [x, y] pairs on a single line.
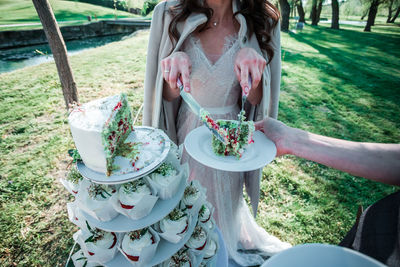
[[342, 84], [23, 12]]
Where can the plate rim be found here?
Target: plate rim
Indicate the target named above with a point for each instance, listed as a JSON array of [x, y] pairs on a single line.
[[92, 175]]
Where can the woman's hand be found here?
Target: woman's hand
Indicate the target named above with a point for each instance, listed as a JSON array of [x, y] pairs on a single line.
[[278, 132], [249, 63], [176, 65]]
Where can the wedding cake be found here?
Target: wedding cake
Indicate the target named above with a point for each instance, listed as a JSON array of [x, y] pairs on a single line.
[[155, 219], [99, 128]]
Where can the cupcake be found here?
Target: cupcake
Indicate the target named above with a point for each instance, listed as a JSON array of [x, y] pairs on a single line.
[[136, 199], [140, 246], [205, 216], [99, 241], [165, 180], [193, 196], [174, 226], [210, 250], [97, 201], [180, 259], [131, 193], [73, 181], [198, 240], [97, 245]]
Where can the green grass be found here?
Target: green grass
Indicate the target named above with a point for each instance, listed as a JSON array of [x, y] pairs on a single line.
[[338, 83], [23, 11]]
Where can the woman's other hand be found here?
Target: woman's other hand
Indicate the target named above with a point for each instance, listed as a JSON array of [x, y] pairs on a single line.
[[176, 65], [277, 131], [249, 63]]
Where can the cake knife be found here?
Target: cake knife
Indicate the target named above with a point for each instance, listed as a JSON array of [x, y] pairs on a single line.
[[203, 114]]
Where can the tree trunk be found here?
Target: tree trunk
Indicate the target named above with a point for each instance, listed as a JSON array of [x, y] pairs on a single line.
[[319, 9], [300, 10], [335, 14], [58, 49], [390, 10], [372, 15], [313, 14], [395, 15], [285, 12]]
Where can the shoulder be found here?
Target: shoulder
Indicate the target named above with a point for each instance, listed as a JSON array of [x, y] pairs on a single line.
[[164, 6]]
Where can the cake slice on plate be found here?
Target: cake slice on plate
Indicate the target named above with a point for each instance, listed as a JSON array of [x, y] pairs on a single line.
[[99, 128]]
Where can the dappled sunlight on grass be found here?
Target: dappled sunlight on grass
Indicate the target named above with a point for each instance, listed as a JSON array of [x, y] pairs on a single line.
[[342, 84]]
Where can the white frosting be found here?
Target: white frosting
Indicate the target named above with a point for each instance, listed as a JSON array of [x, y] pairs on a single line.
[[164, 180], [86, 127], [190, 200], [197, 242], [104, 243], [210, 249], [206, 215], [134, 247], [132, 198], [92, 115], [176, 227]]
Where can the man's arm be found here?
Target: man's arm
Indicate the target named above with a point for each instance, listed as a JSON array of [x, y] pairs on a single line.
[[378, 162]]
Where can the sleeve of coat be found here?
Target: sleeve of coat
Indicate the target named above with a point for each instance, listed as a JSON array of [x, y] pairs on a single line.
[[275, 67], [152, 63]]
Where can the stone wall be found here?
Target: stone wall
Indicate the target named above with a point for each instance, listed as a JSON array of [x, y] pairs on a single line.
[[12, 39]]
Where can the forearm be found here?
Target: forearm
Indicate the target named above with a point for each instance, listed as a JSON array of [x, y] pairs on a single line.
[[379, 162]]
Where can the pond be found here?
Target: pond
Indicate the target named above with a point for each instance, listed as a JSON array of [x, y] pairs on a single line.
[[17, 58]]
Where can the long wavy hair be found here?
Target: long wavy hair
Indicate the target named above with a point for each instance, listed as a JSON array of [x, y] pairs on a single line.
[[261, 18]]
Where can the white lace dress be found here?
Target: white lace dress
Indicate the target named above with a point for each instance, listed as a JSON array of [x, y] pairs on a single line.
[[214, 85]]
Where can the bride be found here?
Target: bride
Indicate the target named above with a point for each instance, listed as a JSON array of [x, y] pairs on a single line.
[[214, 46]]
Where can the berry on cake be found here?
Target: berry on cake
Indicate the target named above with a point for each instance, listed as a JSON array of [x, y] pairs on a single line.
[[239, 139]]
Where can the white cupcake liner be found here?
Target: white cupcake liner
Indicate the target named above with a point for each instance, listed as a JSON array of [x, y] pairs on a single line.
[[100, 210], [199, 251], [209, 226], [211, 262], [70, 186], [94, 253], [173, 237], [145, 255], [75, 215], [166, 192], [142, 208], [210, 207], [195, 207], [79, 259]]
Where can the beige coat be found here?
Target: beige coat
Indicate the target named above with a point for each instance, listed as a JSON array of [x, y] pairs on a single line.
[[162, 114]]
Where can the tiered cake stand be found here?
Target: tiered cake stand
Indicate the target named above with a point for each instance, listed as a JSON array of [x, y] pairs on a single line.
[[123, 224]]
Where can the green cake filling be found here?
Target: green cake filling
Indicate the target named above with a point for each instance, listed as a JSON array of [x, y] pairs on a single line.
[[237, 143], [116, 130]]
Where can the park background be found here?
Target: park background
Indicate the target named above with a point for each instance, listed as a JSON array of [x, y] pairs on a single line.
[[343, 83]]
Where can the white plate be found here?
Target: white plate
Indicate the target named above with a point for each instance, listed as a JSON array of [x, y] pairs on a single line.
[[257, 155], [121, 223], [156, 142], [316, 255]]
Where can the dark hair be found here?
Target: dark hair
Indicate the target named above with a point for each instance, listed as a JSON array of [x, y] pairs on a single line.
[[261, 18]]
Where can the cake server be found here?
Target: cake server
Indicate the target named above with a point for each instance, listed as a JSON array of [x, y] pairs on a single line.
[[203, 114], [241, 113]]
